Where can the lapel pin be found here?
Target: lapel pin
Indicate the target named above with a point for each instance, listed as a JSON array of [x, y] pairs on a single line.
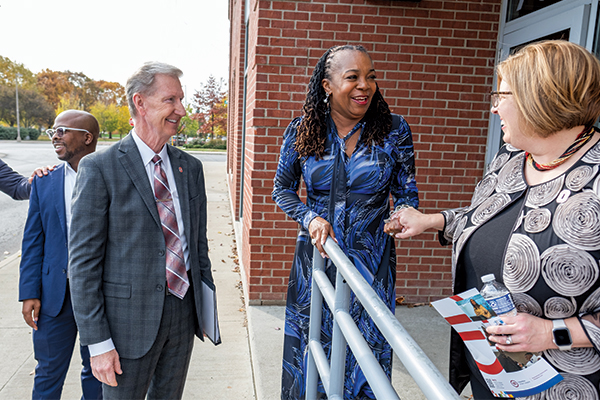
[[180, 169]]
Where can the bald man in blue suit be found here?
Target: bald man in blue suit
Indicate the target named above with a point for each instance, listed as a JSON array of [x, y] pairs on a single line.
[[43, 283]]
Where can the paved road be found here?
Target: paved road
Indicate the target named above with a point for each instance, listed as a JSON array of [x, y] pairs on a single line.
[[24, 157]]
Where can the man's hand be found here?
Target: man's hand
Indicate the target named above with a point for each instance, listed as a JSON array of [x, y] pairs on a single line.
[[104, 367], [40, 172], [31, 312]]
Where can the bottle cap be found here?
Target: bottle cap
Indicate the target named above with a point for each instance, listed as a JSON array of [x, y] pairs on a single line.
[[488, 278]]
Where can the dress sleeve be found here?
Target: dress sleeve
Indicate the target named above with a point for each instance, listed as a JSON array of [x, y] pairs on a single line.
[[13, 184], [287, 179], [482, 191], [590, 322], [87, 244], [451, 218], [404, 186]]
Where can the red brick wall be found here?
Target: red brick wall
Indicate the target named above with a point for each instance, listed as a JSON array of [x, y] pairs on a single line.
[[434, 61]]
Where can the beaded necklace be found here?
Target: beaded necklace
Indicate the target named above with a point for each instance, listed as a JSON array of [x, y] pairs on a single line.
[[581, 140]]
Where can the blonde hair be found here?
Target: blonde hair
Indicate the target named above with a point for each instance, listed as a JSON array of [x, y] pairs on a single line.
[[555, 84]]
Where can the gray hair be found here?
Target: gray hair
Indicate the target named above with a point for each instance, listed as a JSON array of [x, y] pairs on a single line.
[[142, 80]]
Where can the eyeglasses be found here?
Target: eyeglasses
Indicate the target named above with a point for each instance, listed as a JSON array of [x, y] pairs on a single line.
[[61, 130], [495, 97]]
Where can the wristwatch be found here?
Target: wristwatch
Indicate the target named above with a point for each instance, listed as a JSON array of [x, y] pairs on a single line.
[[561, 336]]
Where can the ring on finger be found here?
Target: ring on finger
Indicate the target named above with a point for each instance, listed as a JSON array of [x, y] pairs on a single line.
[[509, 339], [314, 241], [391, 234]]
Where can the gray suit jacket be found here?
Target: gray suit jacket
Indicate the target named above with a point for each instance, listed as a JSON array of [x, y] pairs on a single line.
[[117, 248]]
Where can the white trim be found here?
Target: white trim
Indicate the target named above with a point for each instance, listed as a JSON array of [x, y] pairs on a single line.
[[575, 19], [580, 16], [542, 15]]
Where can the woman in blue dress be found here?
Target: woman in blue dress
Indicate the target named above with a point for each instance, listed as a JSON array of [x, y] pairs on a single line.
[[352, 153]]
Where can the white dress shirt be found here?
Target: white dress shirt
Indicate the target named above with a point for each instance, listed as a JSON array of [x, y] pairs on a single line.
[[70, 176], [147, 155]]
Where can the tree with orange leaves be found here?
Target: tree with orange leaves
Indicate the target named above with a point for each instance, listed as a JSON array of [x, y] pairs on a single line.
[[210, 104]]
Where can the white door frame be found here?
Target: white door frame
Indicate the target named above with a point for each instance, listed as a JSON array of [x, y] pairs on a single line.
[[579, 16]]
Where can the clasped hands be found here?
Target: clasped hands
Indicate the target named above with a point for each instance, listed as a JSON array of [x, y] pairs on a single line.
[[405, 222]]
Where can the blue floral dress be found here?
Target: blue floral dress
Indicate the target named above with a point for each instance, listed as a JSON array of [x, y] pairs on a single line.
[[352, 193]]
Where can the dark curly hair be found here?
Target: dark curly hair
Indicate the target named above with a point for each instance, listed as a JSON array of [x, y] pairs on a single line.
[[312, 131]]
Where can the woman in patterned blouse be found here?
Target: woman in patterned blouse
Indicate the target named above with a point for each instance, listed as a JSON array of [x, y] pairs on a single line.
[[534, 220]]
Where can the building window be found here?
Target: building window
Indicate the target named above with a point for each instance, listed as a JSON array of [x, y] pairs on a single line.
[[519, 8]]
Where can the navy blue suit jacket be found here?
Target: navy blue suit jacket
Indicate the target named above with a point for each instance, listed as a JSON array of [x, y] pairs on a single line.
[[12, 183], [44, 250]]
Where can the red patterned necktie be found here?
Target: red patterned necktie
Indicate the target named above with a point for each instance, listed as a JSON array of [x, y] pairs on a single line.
[[177, 279]]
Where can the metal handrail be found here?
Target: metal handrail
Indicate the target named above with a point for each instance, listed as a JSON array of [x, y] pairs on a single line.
[[429, 379]]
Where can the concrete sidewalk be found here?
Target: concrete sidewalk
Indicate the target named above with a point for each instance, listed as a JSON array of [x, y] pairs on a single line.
[[247, 365]]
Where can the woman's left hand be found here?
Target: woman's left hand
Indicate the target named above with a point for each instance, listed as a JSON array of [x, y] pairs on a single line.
[[525, 332]]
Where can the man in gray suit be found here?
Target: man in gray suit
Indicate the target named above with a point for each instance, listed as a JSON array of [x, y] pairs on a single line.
[[138, 247]]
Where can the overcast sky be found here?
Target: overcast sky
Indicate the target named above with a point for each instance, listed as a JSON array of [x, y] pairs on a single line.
[[109, 39]]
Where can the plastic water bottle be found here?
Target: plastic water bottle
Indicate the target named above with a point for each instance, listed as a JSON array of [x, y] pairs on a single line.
[[497, 296]]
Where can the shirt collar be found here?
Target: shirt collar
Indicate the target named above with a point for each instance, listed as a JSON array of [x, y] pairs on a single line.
[[146, 152], [69, 170]]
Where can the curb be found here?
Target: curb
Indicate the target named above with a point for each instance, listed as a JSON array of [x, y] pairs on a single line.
[[10, 259]]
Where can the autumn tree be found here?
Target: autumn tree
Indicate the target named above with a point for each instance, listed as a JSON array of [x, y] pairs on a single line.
[[124, 127], [210, 103], [73, 88], [112, 118], [34, 109], [188, 125], [53, 85], [7, 105], [79, 89], [9, 71], [89, 92], [67, 101], [111, 93], [45, 94]]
